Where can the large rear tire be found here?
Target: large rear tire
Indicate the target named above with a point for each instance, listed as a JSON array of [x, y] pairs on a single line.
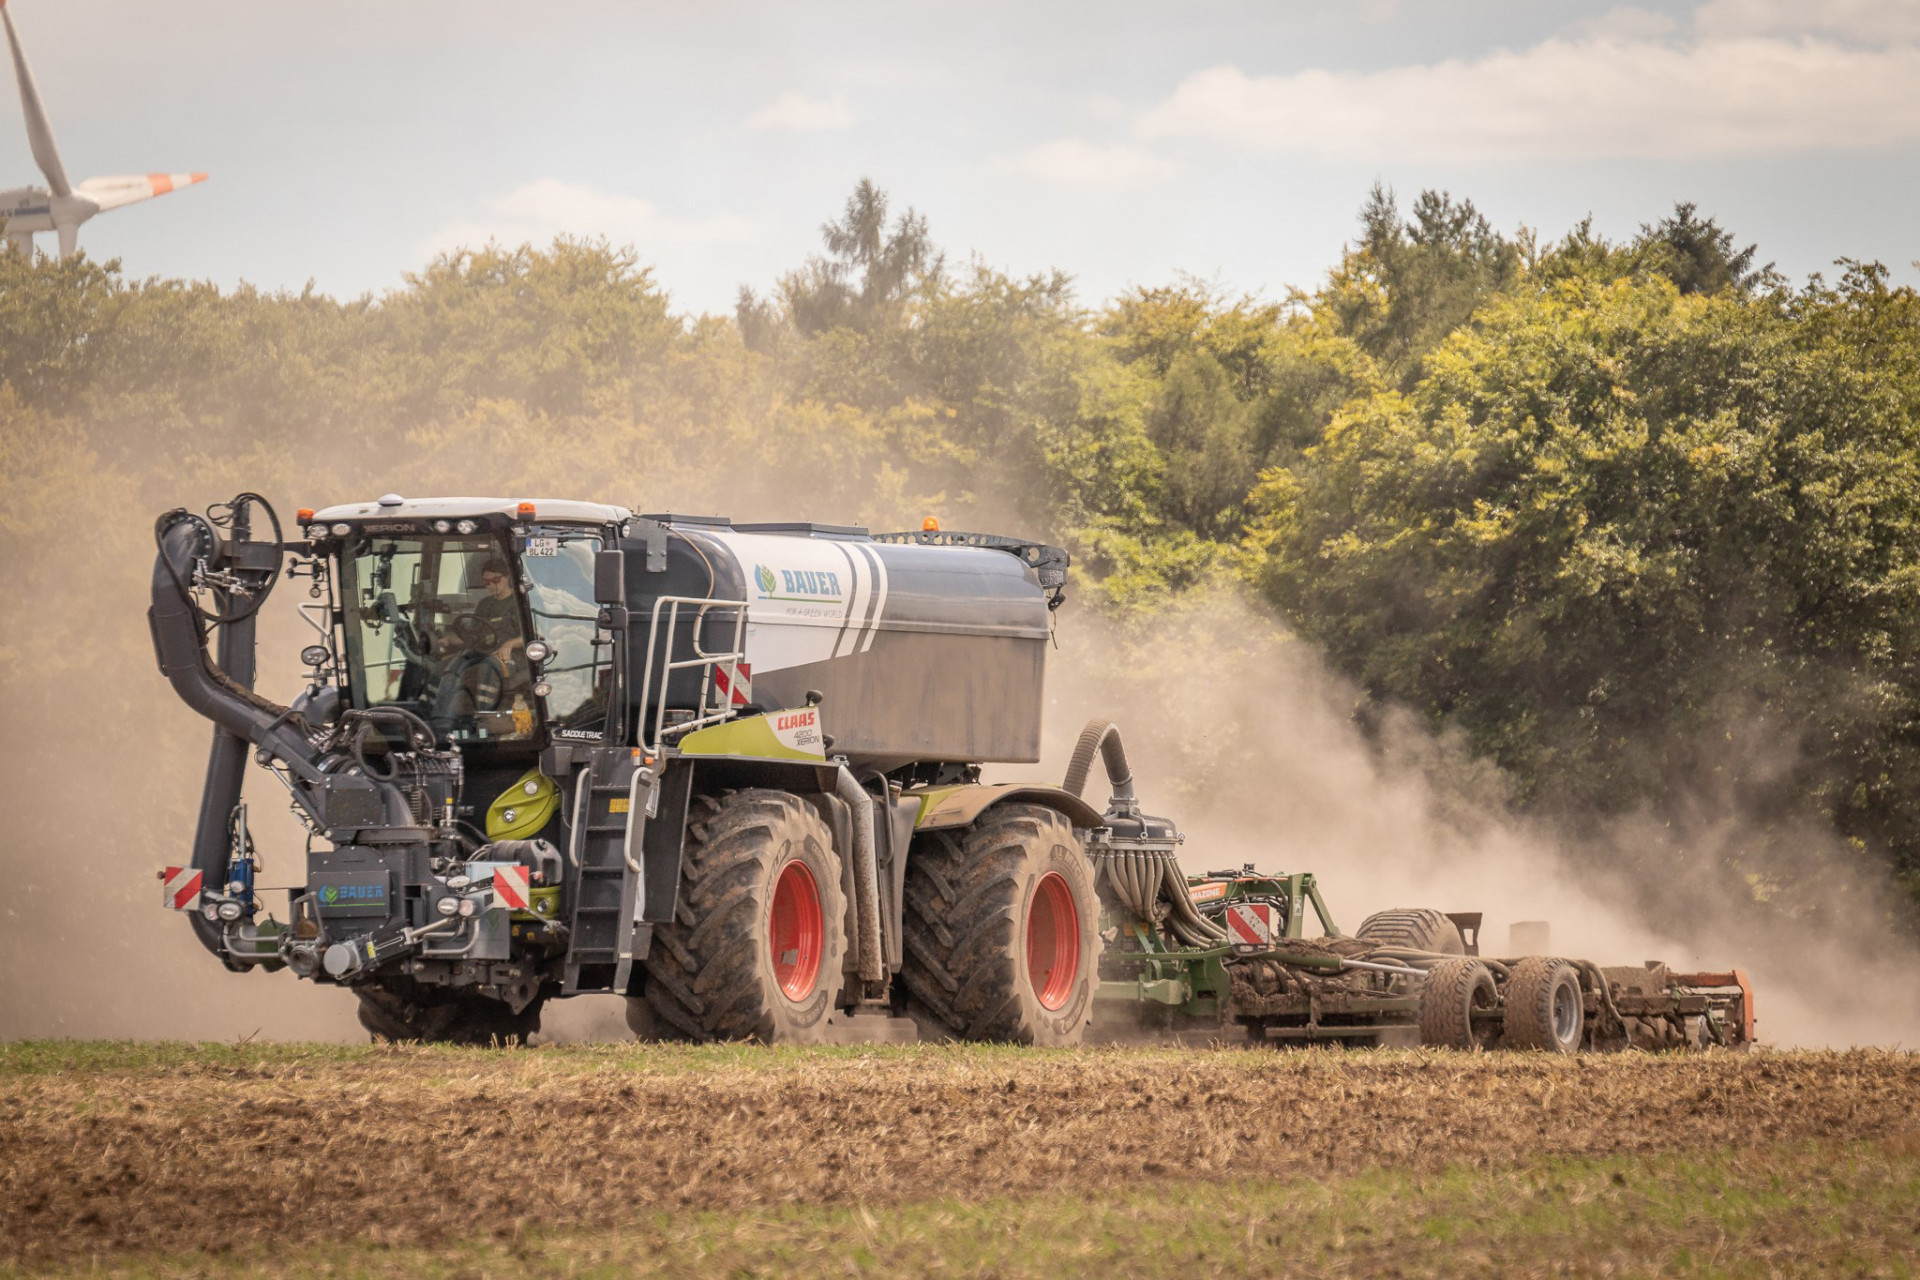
[[1002, 929], [1455, 990], [755, 949], [1544, 1006], [1413, 929]]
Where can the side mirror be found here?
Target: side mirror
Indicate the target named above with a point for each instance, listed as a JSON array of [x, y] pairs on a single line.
[[610, 577]]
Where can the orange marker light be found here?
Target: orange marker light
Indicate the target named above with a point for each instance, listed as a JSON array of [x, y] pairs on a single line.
[[931, 524], [304, 514], [526, 511]]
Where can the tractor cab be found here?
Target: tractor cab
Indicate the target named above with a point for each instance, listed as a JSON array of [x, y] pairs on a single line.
[[476, 615]]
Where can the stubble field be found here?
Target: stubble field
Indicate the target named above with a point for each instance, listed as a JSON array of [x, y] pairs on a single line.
[[648, 1159]]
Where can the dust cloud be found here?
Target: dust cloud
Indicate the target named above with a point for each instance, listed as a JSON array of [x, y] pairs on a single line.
[[1240, 733], [1236, 730]]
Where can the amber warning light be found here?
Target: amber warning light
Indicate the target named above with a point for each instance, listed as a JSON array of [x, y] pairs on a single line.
[[526, 511], [931, 524], [304, 514]]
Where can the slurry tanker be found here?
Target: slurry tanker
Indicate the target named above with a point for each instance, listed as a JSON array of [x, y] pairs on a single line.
[[732, 772]]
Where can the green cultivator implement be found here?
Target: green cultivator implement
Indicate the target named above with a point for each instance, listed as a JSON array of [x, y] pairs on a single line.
[[732, 773]]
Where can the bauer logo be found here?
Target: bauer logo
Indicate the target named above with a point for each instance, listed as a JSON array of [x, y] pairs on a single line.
[[797, 584], [353, 895]]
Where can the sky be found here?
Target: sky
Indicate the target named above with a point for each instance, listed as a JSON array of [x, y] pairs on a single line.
[[1121, 142]]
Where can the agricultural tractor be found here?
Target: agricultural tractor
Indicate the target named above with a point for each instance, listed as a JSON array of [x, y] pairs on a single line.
[[731, 772]]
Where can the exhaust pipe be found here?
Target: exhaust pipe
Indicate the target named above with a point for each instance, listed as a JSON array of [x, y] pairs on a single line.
[[866, 874]]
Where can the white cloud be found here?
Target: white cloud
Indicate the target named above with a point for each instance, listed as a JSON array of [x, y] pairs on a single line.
[[1577, 99], [1629, 24], [539, 211], [797, 113], [1077, 163], [1862, 20]]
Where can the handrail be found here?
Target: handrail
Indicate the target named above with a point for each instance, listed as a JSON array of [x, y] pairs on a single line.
[[702, 658]]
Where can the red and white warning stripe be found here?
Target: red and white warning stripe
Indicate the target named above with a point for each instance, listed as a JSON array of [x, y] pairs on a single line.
[[736, 691], [510, 887], [182, 888], [1250, 924]]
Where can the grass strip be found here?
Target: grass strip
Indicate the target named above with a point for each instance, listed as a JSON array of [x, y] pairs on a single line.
[[1790, 1209]]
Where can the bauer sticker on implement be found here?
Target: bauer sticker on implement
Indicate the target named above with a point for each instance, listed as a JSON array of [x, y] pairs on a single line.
[[183, 888], [1208, 892], [510, 887]]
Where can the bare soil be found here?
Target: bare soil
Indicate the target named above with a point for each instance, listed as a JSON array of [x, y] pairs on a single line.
[[415, 1147]]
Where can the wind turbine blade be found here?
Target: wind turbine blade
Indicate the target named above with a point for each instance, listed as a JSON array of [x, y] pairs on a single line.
[[69, 233], [39, 132], [114, 192]]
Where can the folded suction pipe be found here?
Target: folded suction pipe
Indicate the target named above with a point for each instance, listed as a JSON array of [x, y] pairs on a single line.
[[224, 696]]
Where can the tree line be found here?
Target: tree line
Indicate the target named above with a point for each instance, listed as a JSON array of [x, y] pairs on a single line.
[[1636, 518]]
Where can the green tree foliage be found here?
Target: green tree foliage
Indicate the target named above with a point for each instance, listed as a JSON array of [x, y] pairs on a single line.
[[1634, 517]]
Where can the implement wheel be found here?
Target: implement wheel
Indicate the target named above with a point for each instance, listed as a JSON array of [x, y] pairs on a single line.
[[1544, 1006], [1454, 990], [757, 940], [1412, 929], [1002, 929]]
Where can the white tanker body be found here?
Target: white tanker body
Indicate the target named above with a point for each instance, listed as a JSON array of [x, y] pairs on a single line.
[[924, 647]]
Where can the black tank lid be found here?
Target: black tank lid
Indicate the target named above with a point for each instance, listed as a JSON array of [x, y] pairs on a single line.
[[668, 517], [806, 529]]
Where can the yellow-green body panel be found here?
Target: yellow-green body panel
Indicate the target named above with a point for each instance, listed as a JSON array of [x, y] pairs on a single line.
[[777, 735], [943, 808], [519, 812]]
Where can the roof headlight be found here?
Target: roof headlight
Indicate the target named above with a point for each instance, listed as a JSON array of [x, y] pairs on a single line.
[[442, 526], [538, 651], [314, 655], [465, 526], [316, 531], [342, 530]]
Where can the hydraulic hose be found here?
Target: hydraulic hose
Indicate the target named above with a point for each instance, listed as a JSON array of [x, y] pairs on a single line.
[[866, 874], [1102, 736]]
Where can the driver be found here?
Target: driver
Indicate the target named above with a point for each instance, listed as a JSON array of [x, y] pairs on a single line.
[[497, 616]]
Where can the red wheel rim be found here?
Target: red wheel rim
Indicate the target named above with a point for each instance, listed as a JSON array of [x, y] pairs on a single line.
[[1053, 941], [795, 931]]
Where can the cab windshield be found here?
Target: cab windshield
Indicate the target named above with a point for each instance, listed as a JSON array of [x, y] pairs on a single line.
[[435, 625]]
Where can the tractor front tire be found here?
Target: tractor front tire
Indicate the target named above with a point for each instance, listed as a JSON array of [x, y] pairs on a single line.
[[473, 1020], [758, 938], [1002, 929], [1544, 1006], [1455, 990]]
